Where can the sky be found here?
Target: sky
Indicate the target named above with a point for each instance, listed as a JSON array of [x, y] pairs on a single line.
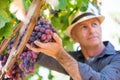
[[111, 5]]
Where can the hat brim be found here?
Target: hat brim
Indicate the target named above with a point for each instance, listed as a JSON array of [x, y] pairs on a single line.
[[69, 29]]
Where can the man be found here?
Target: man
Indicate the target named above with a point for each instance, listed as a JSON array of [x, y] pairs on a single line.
[[96, 60]]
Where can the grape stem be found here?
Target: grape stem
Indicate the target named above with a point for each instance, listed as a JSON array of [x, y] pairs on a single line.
[[15, 52]]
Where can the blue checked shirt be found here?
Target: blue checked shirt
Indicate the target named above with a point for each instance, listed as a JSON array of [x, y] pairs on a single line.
[[105, 66]]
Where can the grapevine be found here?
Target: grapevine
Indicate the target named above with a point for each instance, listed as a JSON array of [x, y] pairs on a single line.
[[43, 31]]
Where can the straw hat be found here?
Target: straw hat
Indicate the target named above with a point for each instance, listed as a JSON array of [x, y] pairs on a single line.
[[82, 17]]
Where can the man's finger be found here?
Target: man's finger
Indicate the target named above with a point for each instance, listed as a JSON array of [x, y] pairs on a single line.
[[40, 44], [32, 48], [37, 50], [57, 38]]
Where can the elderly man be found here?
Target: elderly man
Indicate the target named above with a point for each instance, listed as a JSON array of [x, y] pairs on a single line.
[[96, 60]]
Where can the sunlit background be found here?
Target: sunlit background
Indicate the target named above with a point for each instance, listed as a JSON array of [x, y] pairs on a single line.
[[111, 27]]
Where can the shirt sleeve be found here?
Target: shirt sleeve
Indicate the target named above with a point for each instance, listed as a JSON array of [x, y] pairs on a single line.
[[50, 63], [109, 72]]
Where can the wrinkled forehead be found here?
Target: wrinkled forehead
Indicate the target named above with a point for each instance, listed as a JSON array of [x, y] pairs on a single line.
[[87, 22], [84, 23]]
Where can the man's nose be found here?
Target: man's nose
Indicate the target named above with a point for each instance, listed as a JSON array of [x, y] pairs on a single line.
[[91, 29]]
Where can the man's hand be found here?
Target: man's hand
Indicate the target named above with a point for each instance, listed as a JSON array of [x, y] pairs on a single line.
[[51, 48], [17, 7]]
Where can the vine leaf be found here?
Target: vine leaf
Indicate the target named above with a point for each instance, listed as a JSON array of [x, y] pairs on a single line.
[[6, 30], [4, 4], [4, 18], [63, 6], [84, 5]]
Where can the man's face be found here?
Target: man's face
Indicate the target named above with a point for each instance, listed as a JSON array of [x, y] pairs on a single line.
[[87, 33]]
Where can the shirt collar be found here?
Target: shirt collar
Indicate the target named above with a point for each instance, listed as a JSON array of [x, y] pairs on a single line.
[[109, 49]]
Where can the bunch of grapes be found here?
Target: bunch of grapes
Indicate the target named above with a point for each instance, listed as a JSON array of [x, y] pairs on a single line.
[[28, 59], [9, 47], [3, 60], [15, 73], [42, 32]]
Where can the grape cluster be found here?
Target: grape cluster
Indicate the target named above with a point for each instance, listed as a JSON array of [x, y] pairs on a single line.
[[28, 59], [3, 60], [15, 72], [9, 47], [42, 32]]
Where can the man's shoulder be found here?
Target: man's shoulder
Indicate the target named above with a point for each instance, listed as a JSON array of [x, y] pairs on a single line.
[[116, 56]]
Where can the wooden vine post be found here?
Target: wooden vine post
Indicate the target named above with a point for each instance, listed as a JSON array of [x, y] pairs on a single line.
[[5, 42], [31, 19]]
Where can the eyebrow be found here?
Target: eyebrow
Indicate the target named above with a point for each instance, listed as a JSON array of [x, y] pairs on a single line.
[[92, 20]]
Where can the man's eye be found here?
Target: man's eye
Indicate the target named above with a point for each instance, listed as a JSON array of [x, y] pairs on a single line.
[[94, 23], [83, 26]]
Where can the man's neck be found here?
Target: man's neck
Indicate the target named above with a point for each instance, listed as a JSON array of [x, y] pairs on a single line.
[[92, 52]]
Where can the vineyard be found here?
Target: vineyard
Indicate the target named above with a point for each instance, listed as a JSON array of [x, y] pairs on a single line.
[[43, 19]]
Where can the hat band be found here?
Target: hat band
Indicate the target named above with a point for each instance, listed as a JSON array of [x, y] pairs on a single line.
[[81, 16]]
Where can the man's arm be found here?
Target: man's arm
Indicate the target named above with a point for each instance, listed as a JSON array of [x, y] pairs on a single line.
[[69, 64]]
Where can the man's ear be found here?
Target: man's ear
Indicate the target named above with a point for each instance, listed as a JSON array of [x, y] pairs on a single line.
[[74, 37]]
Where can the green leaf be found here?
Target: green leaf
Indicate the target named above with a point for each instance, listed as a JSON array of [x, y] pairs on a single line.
[[4, 4], [83, 9], [68, 43], [79, 3], [64, 19], [84, 5], [26, 4], [6, 31], [64, 22], [37, 66], [4, 18], [28, 77], [71, 3], [56, 22], [50, 76], [62, 5]]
